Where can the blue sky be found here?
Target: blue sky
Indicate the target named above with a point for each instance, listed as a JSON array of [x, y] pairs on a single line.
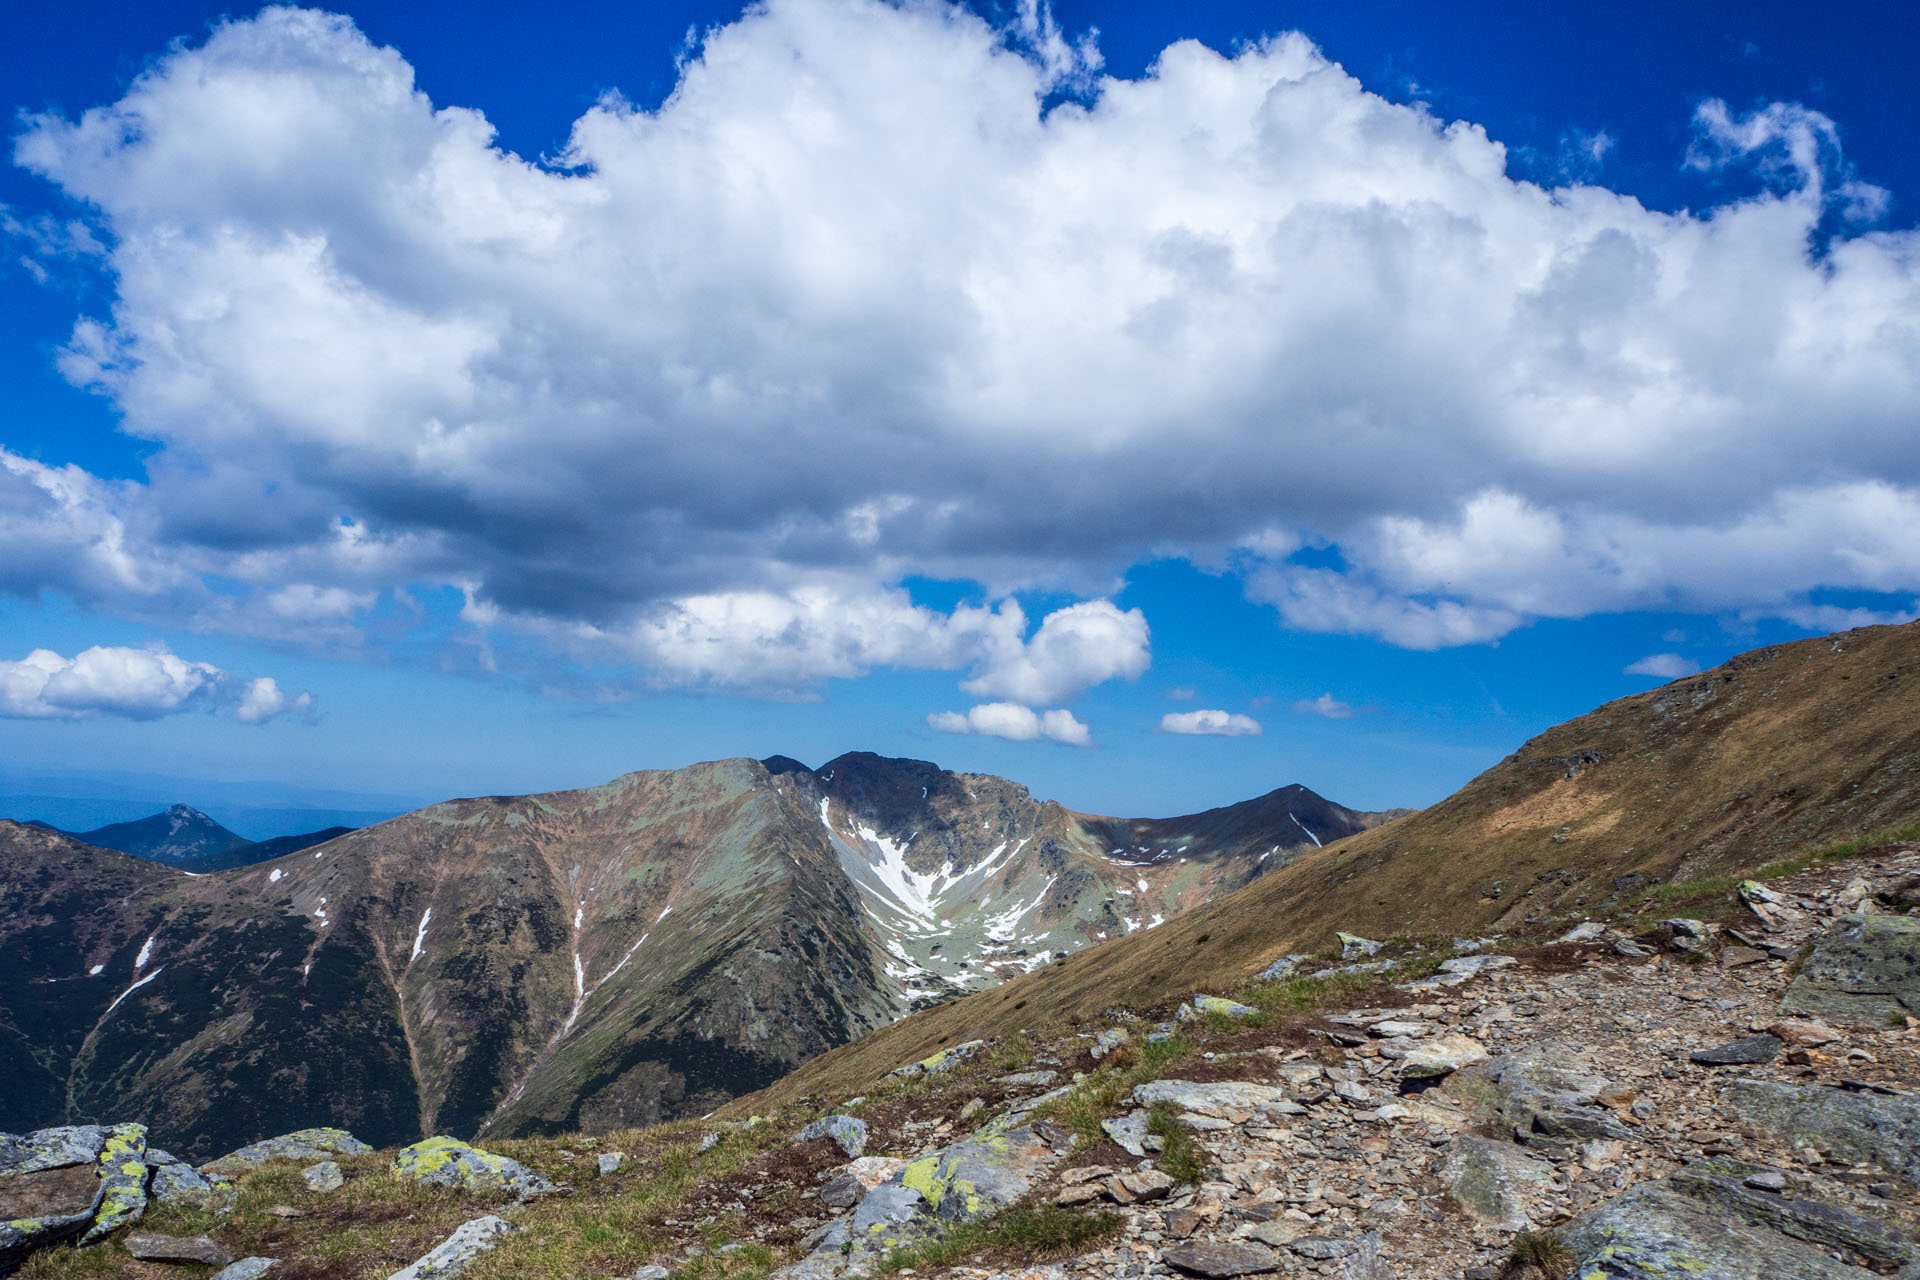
[[403, 406]]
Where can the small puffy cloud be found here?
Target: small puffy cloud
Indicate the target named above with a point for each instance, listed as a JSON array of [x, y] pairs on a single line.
[[137, 684], [1075, 648], [1666, 666], [1222, 724], [1326, 705], [1012, 721], [1183, 694]]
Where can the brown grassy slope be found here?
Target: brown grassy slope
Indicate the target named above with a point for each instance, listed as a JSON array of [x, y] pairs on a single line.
[[1771, 752]]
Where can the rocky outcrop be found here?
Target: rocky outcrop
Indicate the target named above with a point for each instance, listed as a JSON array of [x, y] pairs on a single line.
[[449, 1162], [1864, 971], [1487, 1179], [1864, 1125], [454, 1254]]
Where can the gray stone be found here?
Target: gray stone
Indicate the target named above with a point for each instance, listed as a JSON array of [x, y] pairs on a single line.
[[1130, 1133], [302, 1144], [1864, 971], [1365, 1262], [1492, 1181], [1689, 928], [1221, 1260], [1284, 967], [1201, 1005], [652, 1271], [49, 1187], [945, 1060], [174, 1181], [246, 1269], [1586, 931], [1742, 1052], [151, 1246], [1278, 1232], [454, 1254], [51, 1148], [1861, 1127], [1352, 945], [609, 1162], [449, 1162], [1110, 1039], [849, 1132], [1227, 1100], [1658, 1230], [1027, 1079], [325, 1176], [1469, 965], [1549, 1089], [1440, 1056], [1322, 1248], [1628, 947]]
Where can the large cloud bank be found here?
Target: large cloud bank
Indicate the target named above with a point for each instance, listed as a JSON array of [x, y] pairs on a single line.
[[697, 397], [137, 684]]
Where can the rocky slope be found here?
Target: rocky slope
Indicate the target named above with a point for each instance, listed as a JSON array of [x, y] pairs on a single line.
[[578, 960], [1770, 753], [1726, 1094]]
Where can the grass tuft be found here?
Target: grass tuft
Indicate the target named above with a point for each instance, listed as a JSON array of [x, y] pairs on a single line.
[[1181, 1158], [1025, 1233], [1541, 1252]]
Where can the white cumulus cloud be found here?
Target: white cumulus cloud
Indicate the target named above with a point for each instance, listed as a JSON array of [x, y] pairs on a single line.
[[137, 684], [863, 300], [1667, 666], [1224, 724], [1013, 721], [1326, 705]]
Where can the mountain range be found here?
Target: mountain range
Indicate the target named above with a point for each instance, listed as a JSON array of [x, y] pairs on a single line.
[[182, 836], [585, 959]]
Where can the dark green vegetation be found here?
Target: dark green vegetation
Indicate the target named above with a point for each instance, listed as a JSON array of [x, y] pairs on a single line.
[[581, 961]]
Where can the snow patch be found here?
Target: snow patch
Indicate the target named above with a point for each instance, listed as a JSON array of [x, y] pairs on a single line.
[[274, 876], [95, 971], [420, 935], [146, 954], [138, 983], [1303, 827]]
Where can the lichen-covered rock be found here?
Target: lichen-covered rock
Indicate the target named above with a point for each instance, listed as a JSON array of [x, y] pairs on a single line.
[[1864, 970], [1655, 1232], [1352, 945], [246, 1269], [1285, 967], [301, 1144], [849, 1131], [1493, 1181], [453, 1255], [174, 1181], [1201, 1005], [122, 1168], [1863, 1126], [608, 1163], [323, 1177], [1110, 1039], [945, 1060], [449, 1162], [1129, 1133]]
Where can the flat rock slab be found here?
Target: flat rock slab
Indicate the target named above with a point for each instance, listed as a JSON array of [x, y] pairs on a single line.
[[1130, 1133], [1862, 1127], [1227, 1100], [449, 1162], [1742, 1052], [151, 1246], [301, 1144], [51, 1148], [1493, 1181], [454, 1254], [323, 1177], [1862, 972], [1441, 1055], [1221, 1260], [65, 1192], [1653, 1232]]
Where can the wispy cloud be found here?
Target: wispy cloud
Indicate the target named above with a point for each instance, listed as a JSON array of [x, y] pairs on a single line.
[[1665, 666], [1327, 705]]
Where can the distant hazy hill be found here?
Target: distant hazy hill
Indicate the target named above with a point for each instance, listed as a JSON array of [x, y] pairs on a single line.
[[245, 855], [1771, 753], [576, 960], [180, 834]]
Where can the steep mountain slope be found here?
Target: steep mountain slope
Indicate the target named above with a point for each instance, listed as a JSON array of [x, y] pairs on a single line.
[[1774, 751], [179, 834], [577, 960]]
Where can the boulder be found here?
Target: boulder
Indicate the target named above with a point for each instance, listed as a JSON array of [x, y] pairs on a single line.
[[301, 1144], [609, 1162], [1110, 1039], [1864, 972], [1548, 1091], [449, 1162], [1470, 965], [1809, 1035], [1352, 945], [849, 1132], [1440, 1056], [1656, 1231], [844, 1189], [1858, 1126], [451, 1256], [1221, 1259], [174, 1181], [150, 1246], [1136, 1188], [1027, 1079], [945, 1060], [325, 1176], [1493, 1181], [49, 1186], [1129, 1132], [1284, 967], [1586, 931]]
